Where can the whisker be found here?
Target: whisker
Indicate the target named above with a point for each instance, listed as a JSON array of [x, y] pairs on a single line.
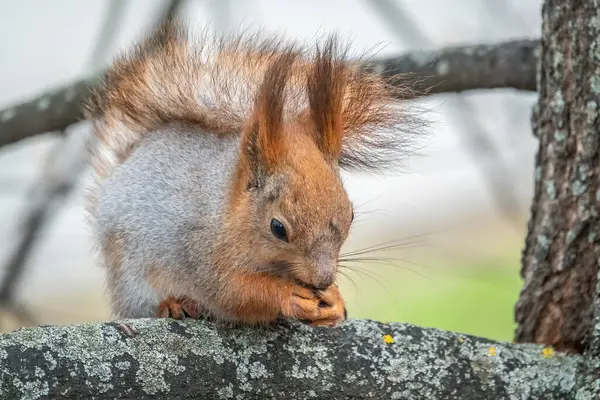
[[385, 246], [370, 274], [385, 262], [384, 259], [379, 212], [357, 206], [345, 275], [268, 270], [403, 239], [362, 272]]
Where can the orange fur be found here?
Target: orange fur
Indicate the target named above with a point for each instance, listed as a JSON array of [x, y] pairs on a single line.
[[261, 298], [326, 84]]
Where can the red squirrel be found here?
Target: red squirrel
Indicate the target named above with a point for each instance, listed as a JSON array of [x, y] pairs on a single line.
[[217, 161]]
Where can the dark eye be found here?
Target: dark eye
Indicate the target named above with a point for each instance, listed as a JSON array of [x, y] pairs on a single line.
[[278, 230], [352, 219]]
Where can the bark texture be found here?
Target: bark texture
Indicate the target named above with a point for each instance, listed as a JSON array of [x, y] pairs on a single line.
[[361, 359], [589, 378], [562, 251]]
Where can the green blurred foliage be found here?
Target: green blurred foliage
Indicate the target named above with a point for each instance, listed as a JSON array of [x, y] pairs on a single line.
[[476, 299]]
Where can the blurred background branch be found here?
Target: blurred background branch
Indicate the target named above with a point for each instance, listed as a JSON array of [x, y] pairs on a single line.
[[475, 136], [60, 173], [108, 32], [50, 112], [508, 65]]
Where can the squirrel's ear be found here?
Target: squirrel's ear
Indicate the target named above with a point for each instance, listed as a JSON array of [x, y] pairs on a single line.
[[262, 139], [326, 82]]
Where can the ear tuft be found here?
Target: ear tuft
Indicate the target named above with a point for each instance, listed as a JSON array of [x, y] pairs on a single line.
[[326, 83], [262, 141]]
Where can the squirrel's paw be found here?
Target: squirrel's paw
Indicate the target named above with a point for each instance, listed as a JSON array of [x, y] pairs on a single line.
[[319, 307], [178, 308]]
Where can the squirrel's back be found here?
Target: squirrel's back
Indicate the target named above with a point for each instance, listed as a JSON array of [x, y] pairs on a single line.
[[174, 182]]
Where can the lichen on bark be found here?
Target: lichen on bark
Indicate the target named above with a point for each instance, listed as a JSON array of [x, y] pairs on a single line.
[[562, 252], [198, 359]]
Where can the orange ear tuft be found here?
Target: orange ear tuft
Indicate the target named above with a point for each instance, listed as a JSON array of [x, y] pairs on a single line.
[[262, 141], [326, 85]]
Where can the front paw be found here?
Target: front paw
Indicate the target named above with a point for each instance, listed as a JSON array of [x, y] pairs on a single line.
[[318, 307], [178, 308], [333, 307]]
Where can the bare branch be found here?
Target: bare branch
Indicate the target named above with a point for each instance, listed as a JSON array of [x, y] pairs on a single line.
[[509, 65], [53, 111], [172, 10], [504, 65], [167, 359], [108, 32]]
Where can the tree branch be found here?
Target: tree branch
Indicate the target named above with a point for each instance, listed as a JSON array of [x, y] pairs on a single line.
[[175, 360], [53, 111], [109, 31], [509, 65], [505, 65]]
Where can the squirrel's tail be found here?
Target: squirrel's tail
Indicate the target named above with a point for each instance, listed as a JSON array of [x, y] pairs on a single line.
[[211, 82], [203, 80]]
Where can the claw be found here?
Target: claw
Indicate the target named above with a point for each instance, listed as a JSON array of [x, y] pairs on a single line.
[[178, 308], [128, 330]]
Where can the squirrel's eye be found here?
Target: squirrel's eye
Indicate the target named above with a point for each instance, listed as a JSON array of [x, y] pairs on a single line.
[[278, 230], [352, 219]]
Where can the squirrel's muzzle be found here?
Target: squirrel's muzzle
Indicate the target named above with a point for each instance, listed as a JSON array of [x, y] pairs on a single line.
[[324, 274], [323, 286]]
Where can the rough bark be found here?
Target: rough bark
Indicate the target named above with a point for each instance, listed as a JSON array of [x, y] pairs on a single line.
[[589, 378], [504, 65], [562, 251], [196, 359]]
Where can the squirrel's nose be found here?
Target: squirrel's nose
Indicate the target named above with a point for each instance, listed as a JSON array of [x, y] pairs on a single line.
[[323, 282], [321, 286], [324, 274]]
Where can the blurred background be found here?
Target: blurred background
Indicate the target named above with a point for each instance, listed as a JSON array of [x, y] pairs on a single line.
[[445, 233]]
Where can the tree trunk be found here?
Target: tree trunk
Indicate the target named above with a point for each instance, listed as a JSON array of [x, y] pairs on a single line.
[[562, 250]]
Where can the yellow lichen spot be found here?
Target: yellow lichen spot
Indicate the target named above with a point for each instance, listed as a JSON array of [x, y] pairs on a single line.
[[462, 340], [492, 351], [388, 339], [548, 352]]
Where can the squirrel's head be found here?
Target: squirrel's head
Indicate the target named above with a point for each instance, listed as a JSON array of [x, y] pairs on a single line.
[[289, 201]]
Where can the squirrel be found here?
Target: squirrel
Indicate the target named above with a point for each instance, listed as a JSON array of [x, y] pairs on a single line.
[[216, 160]]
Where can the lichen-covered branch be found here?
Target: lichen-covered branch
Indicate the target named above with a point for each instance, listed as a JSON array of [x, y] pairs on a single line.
[[196, 359], [505, 65]]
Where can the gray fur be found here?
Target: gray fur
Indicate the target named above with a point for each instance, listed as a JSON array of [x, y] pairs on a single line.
[[174, 183]]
